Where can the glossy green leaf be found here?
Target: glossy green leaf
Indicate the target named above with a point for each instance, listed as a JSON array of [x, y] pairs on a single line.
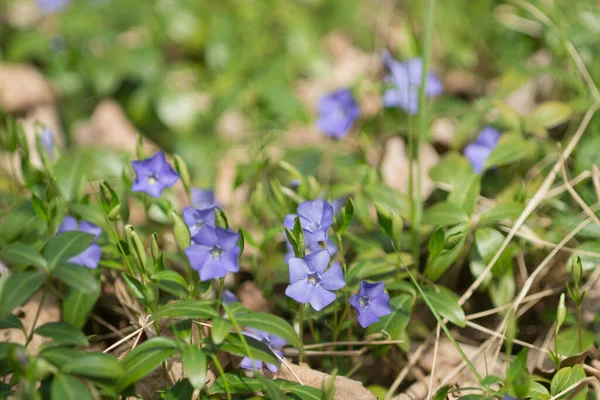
[[62, 332], [488, 242], [269, 388], [187, 309], [452, 169], [445, 303], [258, 350], [437, 265], [145, 358], [77, 277], [548, 115], [67, 387], [500, 212], [444, 213], [66, 245], [272, 324], [17, 289], [466, 193], [93, 365], [77, 305], [220, 329], [11, 322], [22, 253], [195, 364], [171, 282], [510, 149], [235, 384], [436, 242]]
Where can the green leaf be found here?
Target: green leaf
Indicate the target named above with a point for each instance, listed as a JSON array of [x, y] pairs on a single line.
[[220, 329], [517, 377], [436, 242], [67, 387], [94, 365], [395, 323], [452, 169], [195, 364], [187, 309], [560, 381], [511, 148], [135, 287], [548, 115], [501, 211], [258, 350], [305, 392], [437, 265], [17, 289], [488, 242], [235, 383], [62, 332], [272, 324], [444, 213], [346, 214], [568, 345], [77, 277], [270, 388], [145, 358], [21, 253], [171, 282], [66, 245], [11, 322], [389, 198], [77, 306], [466, 193], [445, 303]]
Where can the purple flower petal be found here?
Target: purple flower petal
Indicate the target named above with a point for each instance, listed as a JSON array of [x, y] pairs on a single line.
[[318, 261], [68, 224], [89, 227], [229, 297], [197, 255], [153, 175], [248, 363], [372, 290], [300, 291], [299, 269], [477, 155], [90, 258], [366, 318], [333, 278], [202, 198], [337, 113], [380, 306], [227, 239], [321, 298]]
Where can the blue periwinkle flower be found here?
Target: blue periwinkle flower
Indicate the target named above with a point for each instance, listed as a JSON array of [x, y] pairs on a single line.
[[195, 219], [229, 297], [371, 302], [479, 151], [214, 252], [315, 218], [311, 281], [337, 112], [153, 175], [405, 81], [52, 6], [311, 247], [90, 256], [47, 140], [272, 341], [202, 198]]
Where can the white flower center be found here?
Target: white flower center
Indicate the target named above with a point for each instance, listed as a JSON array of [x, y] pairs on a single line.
[[364, 301], [215, 252], [152, 178], [313, 278]]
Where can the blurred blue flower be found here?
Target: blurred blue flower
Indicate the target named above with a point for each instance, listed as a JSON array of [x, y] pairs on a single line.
[[229, 297], [90, 256], [52, 6], [274, 343], [479, 151], [153, 175], [47, 141], [405, 81], [202, 198], [214, 252], [195, 219], [371, 302], [311, 281], [315, 218], [337, 112]]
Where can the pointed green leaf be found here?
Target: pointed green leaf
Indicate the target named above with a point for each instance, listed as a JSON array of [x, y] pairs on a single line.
[[66, 245], [195, 364], [444, 213], [22, 253], [272, 324], [63, 333], [445, 303], [67, 387], [17, 289], [77, 277]]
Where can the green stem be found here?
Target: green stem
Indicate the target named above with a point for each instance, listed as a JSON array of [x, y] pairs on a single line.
[[579, 327], [301, 330], [557, 361], [344, 268], [37, 313], [222, 373], [220, 294]]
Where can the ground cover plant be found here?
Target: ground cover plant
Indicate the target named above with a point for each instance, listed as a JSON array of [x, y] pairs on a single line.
[[306, 200]]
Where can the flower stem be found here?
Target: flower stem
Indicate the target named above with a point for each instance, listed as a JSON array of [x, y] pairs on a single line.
[[37, 313], [220, 294], [579, 327], [344, 268], [301, 329]]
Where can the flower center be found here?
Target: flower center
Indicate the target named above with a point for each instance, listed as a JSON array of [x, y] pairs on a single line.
[[198, 225], [364, 301], [152, 178], [215, 252], [313, 278]]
